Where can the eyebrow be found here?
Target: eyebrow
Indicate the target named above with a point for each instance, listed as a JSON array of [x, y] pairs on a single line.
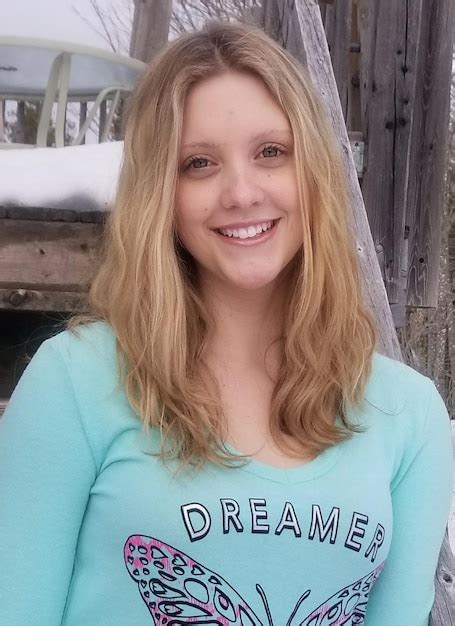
[[257, 137]]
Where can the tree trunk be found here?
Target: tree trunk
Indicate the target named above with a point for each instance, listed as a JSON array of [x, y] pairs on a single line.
[[150, 28]]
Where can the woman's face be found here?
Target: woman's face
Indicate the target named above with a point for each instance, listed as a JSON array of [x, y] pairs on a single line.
[[237, 202]]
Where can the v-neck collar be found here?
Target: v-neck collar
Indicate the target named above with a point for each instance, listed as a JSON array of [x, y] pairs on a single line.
[[291, 475]]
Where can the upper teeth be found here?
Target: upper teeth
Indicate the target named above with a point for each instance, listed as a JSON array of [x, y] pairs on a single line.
[[245, 233]]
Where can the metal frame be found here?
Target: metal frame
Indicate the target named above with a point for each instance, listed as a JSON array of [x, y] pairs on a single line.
[[58, 88]]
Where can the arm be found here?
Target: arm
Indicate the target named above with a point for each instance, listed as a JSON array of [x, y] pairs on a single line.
[[421, 497], [46, 471]]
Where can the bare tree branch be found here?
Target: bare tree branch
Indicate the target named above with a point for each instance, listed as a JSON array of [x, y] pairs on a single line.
[[112, 20], [114, 23]]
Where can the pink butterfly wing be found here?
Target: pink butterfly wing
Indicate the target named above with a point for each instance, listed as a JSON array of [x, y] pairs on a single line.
[[178, 591], [347, 606]]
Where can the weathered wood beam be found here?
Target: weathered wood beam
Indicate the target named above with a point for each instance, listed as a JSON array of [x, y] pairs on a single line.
[[405, 85], [443, 611], [82, 117], [47, 256], [150, 28], [337, 26], [298, 27], [102, 123], [429, 149], [41, 300], [2, 120], [389, 42]]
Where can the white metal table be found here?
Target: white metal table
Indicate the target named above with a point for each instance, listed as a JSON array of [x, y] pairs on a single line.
[[36, 70]]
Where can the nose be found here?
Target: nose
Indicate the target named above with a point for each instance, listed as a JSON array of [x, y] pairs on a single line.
[[241, 189]]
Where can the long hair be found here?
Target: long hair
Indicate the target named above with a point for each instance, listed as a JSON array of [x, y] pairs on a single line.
[[145, 287]]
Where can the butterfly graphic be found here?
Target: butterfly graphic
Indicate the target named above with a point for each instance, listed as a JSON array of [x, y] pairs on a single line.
[[179, 591]]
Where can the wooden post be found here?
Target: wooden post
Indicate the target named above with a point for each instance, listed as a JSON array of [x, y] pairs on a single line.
[[102, 122], [2, 120], [150, 28], [298, 27], [337, 25], [82, 117], [389, 43], [429, 149], [20, 122], [405, 81]]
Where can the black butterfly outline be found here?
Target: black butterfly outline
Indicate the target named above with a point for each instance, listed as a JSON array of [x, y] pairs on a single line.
[[172, 584]]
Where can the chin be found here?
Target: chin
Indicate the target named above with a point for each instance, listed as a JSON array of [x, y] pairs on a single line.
[[253, 283]]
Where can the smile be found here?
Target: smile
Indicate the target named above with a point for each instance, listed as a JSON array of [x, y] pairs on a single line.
[[253, 231]]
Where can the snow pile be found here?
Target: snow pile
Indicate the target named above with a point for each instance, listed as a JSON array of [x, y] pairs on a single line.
[[73, 177]]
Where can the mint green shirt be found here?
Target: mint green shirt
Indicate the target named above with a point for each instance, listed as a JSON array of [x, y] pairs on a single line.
[[95, 531]]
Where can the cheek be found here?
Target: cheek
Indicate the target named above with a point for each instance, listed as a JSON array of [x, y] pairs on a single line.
[[282, 189], [183, 212], [190, 218], [192, 203]]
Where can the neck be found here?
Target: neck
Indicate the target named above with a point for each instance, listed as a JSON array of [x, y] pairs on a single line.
[[247, 322]]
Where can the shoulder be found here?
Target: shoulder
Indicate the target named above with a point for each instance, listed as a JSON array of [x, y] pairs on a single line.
[[394, 386], [404, 403], [87, 355], [85, 342]]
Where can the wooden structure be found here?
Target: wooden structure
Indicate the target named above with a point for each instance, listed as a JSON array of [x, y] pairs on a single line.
[[392, 63], [46, 257], [150, 27], [399, 121], [299, 28]]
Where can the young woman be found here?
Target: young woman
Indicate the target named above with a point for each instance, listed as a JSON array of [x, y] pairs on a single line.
[[220, 443]]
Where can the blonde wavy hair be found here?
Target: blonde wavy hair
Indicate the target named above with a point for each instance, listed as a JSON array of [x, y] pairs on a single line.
[[146, 285]]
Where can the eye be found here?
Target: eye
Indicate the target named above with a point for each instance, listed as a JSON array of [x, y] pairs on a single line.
[[198, 163], [271, 151]]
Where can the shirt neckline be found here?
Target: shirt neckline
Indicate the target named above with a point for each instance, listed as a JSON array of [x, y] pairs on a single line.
[[292, 475]]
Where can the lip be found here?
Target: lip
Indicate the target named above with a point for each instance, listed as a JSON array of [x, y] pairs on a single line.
[[246, 224], [250, 241]]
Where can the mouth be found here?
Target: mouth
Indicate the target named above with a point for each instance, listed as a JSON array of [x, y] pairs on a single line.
[[253, 232]]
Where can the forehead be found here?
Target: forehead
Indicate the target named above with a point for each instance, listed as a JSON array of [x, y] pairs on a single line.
[[229, 105]]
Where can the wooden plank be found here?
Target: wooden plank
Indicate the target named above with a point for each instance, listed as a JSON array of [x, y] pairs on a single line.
[[428, 150], [353, 118], [82, 117], [443, 611], [102, 122], [323, 10], [337, 25], [2, 120], [79, 209], [298, 27], [49, 256], [150, 28], [389, 43], [39, 300]]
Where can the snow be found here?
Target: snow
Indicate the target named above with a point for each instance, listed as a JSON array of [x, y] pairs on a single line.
[[74, 177]]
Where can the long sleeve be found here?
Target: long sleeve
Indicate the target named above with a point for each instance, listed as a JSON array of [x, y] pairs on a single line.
[[46, 471], [421, 496]]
